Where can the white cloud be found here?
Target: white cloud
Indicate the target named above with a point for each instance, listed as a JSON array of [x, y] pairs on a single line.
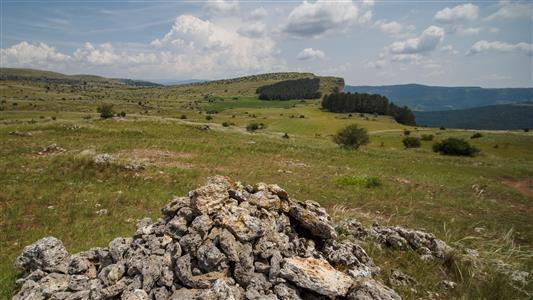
[[192, 48], [502, 47], [310, 53], [101, 55], [459, 13], [316, 18], [253, 30], [258, 13], [378, 64], [512, 10], [26, 54], [222, 6], [449, 50], [394, 28], [407, 58], [427, 41]]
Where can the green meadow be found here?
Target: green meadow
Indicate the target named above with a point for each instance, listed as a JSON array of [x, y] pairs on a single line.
[[476, 202]]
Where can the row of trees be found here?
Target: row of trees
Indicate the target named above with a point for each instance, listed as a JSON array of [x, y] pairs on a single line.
[[306, 88], [367, 103]]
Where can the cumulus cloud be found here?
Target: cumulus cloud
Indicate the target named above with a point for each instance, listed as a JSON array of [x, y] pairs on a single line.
[[449, 49], [26, 54], [258, 13], [193, 47], [394, 28], [427, 41], [512, 10], [310, 54], [316, 18], [222, 6], [459, 13], [502, 47], [254, 30]]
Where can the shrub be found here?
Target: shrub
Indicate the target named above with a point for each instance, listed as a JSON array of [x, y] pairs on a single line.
[[209, 118], [406, 132], [225, 124], [285, 136], [427, 137], [122, 114], [526, 129], [362, 181], [476, 135], [351, 137], [454, 146], [183, 117], [255, 126], [411, 142], [106, 111], [442, 128]]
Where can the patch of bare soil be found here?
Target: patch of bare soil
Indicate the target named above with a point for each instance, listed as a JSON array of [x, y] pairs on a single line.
[[157, 157], [523, 186]]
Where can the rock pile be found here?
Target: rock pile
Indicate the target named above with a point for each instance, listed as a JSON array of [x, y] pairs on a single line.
[[223, 241], [51, 149]]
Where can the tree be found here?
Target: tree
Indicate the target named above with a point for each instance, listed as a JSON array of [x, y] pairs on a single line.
[[455, 146], [411, 142], [351, 137], [106, 111], [367, 103]]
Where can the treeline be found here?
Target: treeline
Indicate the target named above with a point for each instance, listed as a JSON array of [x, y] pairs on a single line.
[[367, 103], [306, 88]]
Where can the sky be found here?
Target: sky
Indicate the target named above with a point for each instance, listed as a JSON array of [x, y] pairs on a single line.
[[367, 42]]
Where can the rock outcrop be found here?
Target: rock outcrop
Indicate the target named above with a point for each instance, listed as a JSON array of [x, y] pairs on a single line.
[[223, 241]]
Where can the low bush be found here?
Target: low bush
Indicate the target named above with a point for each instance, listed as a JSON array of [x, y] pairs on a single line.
[[255, 126], [209, 118], [406, 132], [455, 146], [362, 181], [106, 111], [411, 142], [427, 137], [351, 137], [476, 135]]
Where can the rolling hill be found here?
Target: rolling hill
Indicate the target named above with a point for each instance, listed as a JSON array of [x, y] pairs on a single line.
[[438, 98], [493, 117]]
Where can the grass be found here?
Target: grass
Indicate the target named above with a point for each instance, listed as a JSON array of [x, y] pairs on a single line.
[[59, 194]]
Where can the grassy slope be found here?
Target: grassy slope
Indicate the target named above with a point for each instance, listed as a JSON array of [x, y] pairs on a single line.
[[420, 189]]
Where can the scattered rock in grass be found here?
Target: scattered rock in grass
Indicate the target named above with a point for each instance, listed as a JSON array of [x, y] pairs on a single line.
[[449, 285], [103, 159], [399, 278], [223, 241], [18, 133], [50, 149], [396, 237], [102, 212]]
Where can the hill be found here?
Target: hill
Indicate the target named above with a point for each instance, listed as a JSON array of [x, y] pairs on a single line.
[[493, 117], [435, 98], [42, 76]]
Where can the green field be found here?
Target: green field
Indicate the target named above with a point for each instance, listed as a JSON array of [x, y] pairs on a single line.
[[452, 197]]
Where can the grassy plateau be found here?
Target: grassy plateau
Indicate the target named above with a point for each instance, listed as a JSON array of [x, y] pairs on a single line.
[[483, 202]]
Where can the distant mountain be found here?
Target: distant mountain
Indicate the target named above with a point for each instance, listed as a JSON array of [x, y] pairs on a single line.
[[139, 83], [435, 98], [178, 82], [494, 117]]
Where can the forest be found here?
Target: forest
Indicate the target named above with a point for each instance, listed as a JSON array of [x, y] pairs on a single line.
[[367, 103], [305, 88]]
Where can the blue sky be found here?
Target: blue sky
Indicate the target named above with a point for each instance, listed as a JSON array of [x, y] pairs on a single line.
[[476, 43]]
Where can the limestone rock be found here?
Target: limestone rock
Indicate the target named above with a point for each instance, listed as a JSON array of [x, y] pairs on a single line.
[[47, 254], [316, 275]]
